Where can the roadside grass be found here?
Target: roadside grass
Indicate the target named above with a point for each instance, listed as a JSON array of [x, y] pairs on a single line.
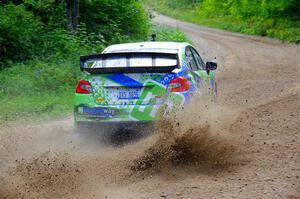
[[166, 33], [282, 29], [38, 89], [42, 89], [40, 107]]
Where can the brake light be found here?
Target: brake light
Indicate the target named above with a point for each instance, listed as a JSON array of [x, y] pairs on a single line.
[[83, 87], [179, 84]]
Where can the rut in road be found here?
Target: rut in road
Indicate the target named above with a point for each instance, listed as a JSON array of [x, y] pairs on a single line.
[[256, 123]]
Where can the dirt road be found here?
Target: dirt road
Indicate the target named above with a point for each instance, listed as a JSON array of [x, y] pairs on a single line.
[[258, 105]]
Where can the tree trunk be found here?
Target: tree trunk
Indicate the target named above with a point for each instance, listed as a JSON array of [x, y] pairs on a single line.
[[76, 14], [69, 15]]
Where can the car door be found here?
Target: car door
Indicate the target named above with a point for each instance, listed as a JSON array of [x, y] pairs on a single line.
[[192, 68]]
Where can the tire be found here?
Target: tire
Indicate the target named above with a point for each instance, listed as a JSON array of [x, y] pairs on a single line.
[[116, 134], [90, 131]]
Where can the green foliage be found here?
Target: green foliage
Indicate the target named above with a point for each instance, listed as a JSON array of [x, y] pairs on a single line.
[[252, 8], [37, 28], [50, 12], [19, 33], [274, 18], [115, 20]]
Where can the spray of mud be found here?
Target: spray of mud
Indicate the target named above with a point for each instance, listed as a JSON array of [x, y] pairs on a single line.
[[38, 161], [48, 175], [201, 133]]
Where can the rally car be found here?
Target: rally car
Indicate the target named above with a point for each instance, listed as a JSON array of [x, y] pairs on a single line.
[[134, 84]]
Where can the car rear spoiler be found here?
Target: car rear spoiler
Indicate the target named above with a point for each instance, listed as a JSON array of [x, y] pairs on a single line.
[[128, 69]]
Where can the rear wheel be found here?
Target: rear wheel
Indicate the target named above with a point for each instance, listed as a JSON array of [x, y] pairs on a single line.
[[90, 131], [112, 133]]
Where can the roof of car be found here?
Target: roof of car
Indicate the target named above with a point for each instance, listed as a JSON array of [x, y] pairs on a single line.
[[163, 47]]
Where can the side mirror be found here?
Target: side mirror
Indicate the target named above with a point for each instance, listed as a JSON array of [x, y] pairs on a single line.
[[211, 66]]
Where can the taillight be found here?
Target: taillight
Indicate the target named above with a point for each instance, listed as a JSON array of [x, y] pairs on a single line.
[[179, 84], [83, 87]]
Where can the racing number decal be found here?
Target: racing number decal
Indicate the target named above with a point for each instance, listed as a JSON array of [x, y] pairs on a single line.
[[148, 112], [154, 111]]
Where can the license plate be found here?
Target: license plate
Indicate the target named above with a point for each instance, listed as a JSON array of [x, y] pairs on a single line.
[[106, 112], [126, 93]]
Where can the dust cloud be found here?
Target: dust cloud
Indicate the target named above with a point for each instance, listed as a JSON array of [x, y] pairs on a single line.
[[52, 161]]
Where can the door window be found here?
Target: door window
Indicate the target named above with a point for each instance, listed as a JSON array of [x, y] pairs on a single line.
[[198, 59], [190, 59]]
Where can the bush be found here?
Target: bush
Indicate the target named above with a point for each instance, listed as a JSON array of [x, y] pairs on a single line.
[[19, 34], [117, 21], [49, 12], [246, 9], [24, 37], [37, 28]]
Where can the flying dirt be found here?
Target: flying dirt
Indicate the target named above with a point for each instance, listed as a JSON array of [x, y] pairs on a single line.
[[244, 145]]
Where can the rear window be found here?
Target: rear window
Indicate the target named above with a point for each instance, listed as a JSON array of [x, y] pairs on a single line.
[[134, 61], [131, 62]]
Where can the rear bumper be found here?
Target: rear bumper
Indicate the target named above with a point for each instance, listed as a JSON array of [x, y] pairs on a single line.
[[119, 114], [111, 124], [115, 126]]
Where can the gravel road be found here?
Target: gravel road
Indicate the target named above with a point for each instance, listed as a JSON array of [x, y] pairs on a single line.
[[254, 128]]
